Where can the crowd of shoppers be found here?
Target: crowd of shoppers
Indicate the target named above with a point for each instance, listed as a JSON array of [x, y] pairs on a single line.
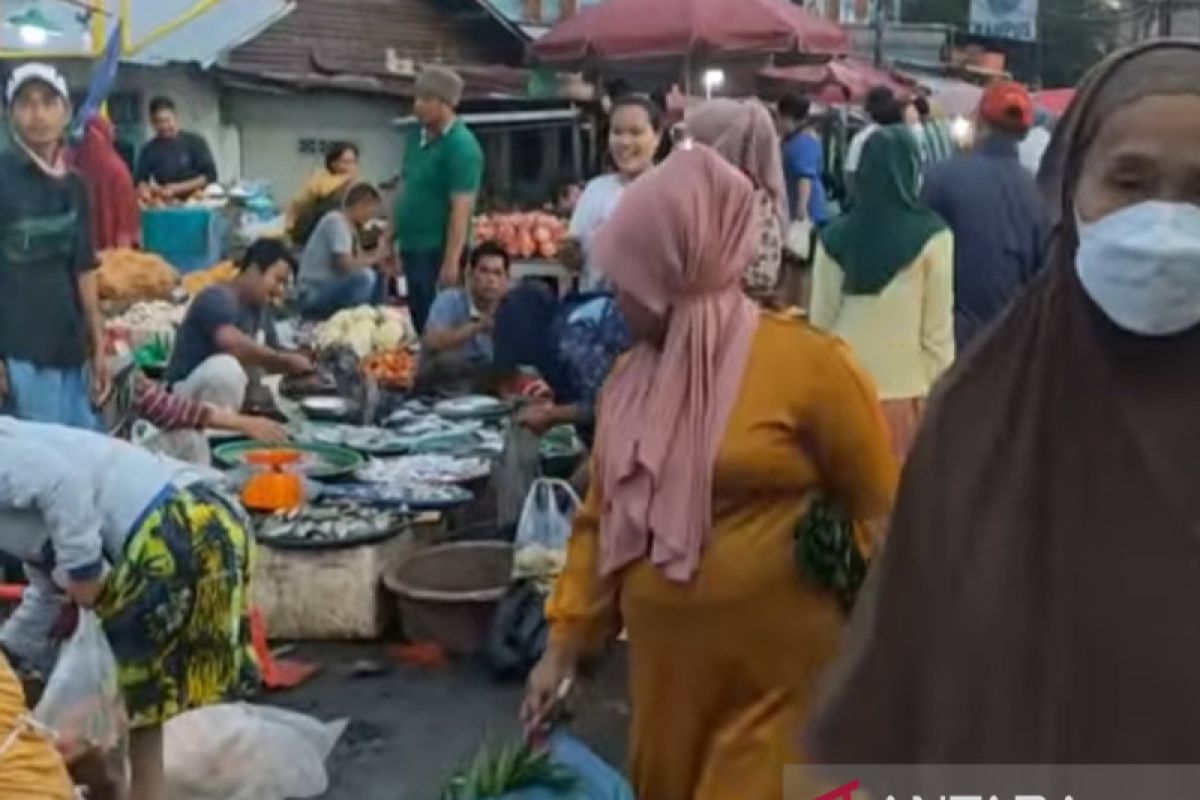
[[1024, 356]]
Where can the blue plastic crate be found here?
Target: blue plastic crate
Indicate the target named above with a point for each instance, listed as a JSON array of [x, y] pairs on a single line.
[[188, 238]]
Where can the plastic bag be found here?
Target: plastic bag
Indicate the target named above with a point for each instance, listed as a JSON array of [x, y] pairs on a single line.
[[597, 780], [239, 751], [514, 472], [84, 707], [545, 520]]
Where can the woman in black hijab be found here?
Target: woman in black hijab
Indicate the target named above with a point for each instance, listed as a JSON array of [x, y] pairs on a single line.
[[1037, 601]]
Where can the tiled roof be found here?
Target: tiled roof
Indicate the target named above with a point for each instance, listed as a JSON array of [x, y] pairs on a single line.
[[375, 43]]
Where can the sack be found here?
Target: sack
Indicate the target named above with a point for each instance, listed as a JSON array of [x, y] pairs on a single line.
[[827, 553], [518, 633], [519, 465], [545, 521], [800, 239], [239, 751], [84, 707]]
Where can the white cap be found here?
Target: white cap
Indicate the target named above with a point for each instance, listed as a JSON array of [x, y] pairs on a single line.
[[28, 73]]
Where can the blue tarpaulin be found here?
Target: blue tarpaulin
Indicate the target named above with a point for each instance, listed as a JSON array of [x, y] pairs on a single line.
[[597, 780]]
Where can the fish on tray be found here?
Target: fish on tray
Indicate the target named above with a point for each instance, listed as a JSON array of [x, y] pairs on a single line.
[[334, 522], [424, 469]]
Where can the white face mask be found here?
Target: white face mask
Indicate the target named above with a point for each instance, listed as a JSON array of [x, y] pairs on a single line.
[[1141, 266]]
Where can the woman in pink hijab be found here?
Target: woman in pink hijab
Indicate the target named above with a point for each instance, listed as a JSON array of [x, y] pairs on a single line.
[[715, 432], [743, 132]]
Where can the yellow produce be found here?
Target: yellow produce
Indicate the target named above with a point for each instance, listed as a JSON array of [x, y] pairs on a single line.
[[196, 282], [130, 275]]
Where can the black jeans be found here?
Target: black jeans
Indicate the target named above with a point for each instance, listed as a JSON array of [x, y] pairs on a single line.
[[421, 269]]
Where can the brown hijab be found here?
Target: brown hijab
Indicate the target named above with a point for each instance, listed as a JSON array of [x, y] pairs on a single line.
[[1039, 597]]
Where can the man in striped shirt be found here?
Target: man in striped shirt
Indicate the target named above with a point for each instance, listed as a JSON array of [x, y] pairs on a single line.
[[935, 139], [172, 412]]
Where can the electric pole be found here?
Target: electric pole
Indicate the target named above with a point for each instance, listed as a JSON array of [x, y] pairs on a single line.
[[1166, 14], [878, 21]]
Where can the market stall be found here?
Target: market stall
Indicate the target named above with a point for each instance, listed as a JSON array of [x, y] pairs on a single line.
[[533, 240], [373, 474]]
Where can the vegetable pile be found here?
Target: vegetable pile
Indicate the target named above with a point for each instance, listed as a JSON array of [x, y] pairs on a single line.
[[528, 235], [149, 322], [394, 369], [367, 330], [196, 282], [510, 769], [128, 275]]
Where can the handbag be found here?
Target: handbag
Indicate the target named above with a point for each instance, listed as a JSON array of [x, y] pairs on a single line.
[[827, 553], [799, 239], [518, 632]]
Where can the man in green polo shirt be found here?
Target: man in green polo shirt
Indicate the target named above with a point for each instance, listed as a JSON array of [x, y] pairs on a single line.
[[443, 169]]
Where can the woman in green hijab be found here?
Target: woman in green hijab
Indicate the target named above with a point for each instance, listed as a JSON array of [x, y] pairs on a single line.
[[883, 281]]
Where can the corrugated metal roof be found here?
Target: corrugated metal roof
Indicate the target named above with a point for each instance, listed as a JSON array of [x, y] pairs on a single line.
[[326, 39]]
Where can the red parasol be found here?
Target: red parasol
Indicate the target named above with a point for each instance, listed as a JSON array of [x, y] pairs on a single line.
[[840, 80], [641, 29]]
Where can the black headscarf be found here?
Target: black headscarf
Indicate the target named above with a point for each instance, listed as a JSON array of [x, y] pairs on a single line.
[[1037, 598]]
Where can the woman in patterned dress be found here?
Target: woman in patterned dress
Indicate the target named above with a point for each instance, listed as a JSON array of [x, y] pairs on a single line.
[[150, 545]]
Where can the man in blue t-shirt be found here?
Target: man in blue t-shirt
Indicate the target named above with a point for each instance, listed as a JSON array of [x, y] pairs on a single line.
[[459, 331], [803, 161]]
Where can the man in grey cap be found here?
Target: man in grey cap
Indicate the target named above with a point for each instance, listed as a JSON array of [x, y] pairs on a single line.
[[52, 364], [443, 170]]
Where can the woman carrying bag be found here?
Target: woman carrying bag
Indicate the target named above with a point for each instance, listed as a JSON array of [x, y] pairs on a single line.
[[154, 548]]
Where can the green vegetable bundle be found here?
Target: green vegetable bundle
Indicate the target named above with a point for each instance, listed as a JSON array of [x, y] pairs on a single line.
[[493, 774]]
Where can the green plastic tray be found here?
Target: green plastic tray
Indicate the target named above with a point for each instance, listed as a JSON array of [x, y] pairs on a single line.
[[321, 460]]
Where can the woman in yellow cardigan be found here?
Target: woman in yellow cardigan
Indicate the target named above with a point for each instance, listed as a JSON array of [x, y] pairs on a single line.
[[883, 282], [30, 767], [715, 432], [340, 170]]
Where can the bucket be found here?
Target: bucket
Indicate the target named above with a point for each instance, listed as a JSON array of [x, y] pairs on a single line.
[[447, 594]]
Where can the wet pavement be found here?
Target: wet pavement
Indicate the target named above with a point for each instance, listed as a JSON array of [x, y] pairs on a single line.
[[410, 727]]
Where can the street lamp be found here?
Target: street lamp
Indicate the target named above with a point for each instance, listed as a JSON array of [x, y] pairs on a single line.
[[33, 26], [713, 79]]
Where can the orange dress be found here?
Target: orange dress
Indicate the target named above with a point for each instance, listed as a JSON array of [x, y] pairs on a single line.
[[723, 668]]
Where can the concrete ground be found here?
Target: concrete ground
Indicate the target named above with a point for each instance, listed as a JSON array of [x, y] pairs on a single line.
[[410, 727]]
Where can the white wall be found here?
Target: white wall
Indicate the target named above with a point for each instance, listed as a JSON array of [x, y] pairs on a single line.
[[271, 127], [256, 135]]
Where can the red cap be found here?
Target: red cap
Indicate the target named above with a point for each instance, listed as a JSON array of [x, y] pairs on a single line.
[[1007, 104]]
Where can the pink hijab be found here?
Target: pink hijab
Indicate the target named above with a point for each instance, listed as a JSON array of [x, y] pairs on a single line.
[[678, 241], [744, 132]]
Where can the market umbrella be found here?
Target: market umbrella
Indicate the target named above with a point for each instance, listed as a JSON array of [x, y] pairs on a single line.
[[642, 29], [953, 97], [839, 80]]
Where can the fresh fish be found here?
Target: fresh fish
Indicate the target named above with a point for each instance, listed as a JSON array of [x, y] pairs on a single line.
[[327, 523]]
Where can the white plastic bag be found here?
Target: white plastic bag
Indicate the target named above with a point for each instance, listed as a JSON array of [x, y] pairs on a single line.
[[239, 751], [516, 470], [799, 239], [545, 519], [543, 531], [84, 708]]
